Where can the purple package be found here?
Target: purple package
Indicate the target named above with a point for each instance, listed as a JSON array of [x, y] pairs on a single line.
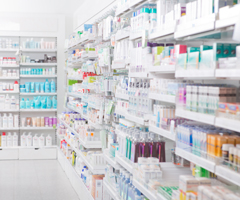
[[46, 121], [54, 121], [50, 121]]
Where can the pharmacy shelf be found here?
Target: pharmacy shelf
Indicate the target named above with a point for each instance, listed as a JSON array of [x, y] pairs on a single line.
[[195, 27], [6, 129], [75, 78], [38, 76], [9, 110], [8, 78], [135, 36], [80, 111], [202, 162], [89, 144], [129, 7], [39, 50], [38, 110], [113, 193], [112, 161], [75, 180], [230, 21], [124, 163], [148, 193], [31, 147], [9, 92], [163, 97], [132, 118], [163, 33], [227, 123], [200, 74], [38, 64], [162, 132], [138, 74], [9, 50], [100, 169], [37, 128], [122, 34], [204, 118], [122, 96], [228, 73], [228, 174], [9, 66], [165, 69], [79, 95], [82, 41], [119, 64], [96, 125], [32, 94]]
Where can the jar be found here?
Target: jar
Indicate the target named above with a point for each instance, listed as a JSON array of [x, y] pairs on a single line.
[[9, 61], [4, 60], [54, 59], [49, 59], [41, 61], [36, 60], [14, 62], [32, 61]]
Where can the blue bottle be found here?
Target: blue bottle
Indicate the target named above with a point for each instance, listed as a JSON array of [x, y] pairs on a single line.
[[125, 187], [49, 103], [32, 104], [28, 104], [131, 189], [121, 182], [22, 104], [54, 102], [137, 195], [53, 86], [46, 86]]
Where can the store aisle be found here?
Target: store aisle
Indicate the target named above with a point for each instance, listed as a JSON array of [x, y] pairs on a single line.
[[34, 180]]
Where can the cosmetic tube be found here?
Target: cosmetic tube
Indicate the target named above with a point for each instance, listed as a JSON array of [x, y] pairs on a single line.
[[23, 121], [34, 121]]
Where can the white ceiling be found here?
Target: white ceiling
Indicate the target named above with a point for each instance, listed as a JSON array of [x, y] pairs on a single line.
[[40, 6]]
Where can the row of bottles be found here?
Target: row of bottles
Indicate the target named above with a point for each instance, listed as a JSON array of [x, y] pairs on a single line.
[[9, 140], [134, 143], [9, 103], [29, 140]]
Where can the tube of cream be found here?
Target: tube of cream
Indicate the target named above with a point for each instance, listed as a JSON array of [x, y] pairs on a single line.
[[32, 87], [42, 87], [34, 121], [37, 87], [28, 121]]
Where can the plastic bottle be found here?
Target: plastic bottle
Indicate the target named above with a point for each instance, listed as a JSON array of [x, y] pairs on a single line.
[[48, 141], [5, 121], [13, 103], [36, 141], [22, 104], [4, 139], [160, 150], [151, 143], [29, 139], [9, 140], [135, 147], [125, 186], [122, 183], [23, 140], [15, 139], [143, 147], [53, 86], [47, 86], [28, 104], [49, 103], [41, 140], [7, 102], [10, 121], [130, 189], [137, 195], [16, 86]]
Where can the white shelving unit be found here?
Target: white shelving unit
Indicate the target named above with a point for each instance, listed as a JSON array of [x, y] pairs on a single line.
[[10, 66], [9, 92], [36, 128], [162, 132], [37, 64], [163, 97], [144, 190], [124, 163], [38, 110], [10, 78], [39, 50], [110, 190], [122, 96], [36, 94], [38, 76], [110, 160]]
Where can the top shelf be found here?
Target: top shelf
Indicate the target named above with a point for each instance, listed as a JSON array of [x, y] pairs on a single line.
[[38, 50], [38, 64]]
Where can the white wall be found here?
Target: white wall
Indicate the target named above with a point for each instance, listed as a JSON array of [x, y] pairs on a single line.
[[87, 12]]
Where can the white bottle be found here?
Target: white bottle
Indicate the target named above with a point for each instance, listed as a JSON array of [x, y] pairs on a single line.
[[29, 139], [9, 140], [15, 139], [7, 102], [10, 121], [36, 141], [41, 141], [4, 140], [23, 140], [48, 141], [13, 103], [5, 121], [16, 121]]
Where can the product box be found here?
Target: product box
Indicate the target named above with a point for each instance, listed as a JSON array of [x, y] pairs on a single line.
[[87, 26], [188, 183], [97, 187], [193, 60]]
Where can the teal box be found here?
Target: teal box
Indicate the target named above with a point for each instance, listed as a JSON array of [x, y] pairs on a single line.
[[182, 61], [226, 50], [233, 50], [217, 51]]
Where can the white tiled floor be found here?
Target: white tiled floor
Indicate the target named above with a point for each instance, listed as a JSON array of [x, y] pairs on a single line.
[[34, 180]]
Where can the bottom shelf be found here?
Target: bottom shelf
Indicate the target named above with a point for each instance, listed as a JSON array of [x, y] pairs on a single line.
[[74, 178], [110, 190]]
